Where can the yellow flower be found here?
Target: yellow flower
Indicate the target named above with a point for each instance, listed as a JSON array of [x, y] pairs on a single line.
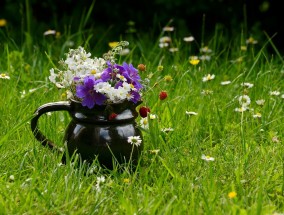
[[168, 78], [251, 40], [3, 22], [194, 62], [243, 48], [160, 68], [232, 194], [113, 44], [126, 180], [154, 151]]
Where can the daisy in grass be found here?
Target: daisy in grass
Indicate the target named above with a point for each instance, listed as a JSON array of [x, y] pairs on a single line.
[[247, 85], [225, 83], [49, 32], [241, 109], [153, 116], [208, 77], [257, 115], [134, 140], [274, 93], [260, 102], [205, 49], [4, 76], [144, 123], [188, 39], [168, 28], [207, 158], [251, 40], [191, 113], [244, 100]]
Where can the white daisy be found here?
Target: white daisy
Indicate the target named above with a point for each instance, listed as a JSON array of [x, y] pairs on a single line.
[[208, 77], [135, 140], [207, 158]]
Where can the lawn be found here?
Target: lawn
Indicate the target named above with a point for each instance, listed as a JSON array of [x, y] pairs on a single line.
[[214, 145]]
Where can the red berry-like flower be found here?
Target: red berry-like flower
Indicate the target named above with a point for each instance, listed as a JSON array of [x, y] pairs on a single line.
[[163, 95], [141, 67], [112, 116], [143, 111]]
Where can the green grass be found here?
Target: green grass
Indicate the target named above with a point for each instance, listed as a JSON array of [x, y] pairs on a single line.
[[248, 151]]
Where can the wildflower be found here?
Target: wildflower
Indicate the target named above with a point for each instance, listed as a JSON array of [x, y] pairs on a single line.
[[113, 44], [274, 93], [205, 49], [168, 78], [225, 82], [49, 32], [126, 180], [247, 85], [100, 180], [282, 96], [168, 28], [275, 139], [163, 45], [260, 102], [190, 113], [88, 94], [3, 22], [243, 48], [194, 61], [241, 109], [206, 92], [112, 116], [163, 95], [167, 130], [124, 52], [207, 158], [251, 40], [165, 41], [208, 77], [4, 76], [244, 100], [152, 116], [143, 111], [144, 123], [257, 115], [12, 178], [205, 57], [188, 39], [141, 67], [173, 49], [160, 68], [154, 151], [232, 194], [135, 140]]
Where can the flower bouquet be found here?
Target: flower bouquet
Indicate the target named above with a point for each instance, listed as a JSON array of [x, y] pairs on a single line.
[[97, 81], [102, 101]]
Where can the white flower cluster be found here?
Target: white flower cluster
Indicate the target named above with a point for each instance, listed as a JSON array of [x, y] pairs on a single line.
[[115, 94], [77, 64]]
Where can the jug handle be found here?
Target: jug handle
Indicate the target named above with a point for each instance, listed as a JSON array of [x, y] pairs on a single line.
[[49, 107]]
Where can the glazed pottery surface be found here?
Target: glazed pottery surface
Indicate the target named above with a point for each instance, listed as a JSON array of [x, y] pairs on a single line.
[[98, 133]]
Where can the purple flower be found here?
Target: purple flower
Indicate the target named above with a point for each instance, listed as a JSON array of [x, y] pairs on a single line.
[[135, 96], [131, 75], [109, 73], [87, 93]]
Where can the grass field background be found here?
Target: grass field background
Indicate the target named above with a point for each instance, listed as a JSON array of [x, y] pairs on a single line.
[[215, 146]]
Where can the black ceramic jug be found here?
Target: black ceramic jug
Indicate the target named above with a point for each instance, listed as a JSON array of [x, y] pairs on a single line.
[[99, 133]]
